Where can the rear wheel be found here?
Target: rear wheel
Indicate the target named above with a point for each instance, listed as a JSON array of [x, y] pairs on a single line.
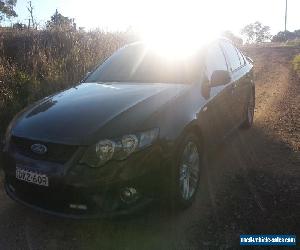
[[249, 113], [188, 165]]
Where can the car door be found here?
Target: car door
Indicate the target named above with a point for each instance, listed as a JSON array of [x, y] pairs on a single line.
[[218, 108], [235, 66], [243, 87]]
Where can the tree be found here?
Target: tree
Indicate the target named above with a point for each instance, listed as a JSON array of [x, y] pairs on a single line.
[[297, 33], [31, 21], [7, 9], [256, 32], [60, 22], [235, 39], [283, 36], [19, 26]]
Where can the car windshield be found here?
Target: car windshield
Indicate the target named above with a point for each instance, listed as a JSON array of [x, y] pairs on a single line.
[[135, 63]]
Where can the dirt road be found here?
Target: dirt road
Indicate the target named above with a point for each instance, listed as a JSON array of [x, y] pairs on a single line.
[[252, 186]]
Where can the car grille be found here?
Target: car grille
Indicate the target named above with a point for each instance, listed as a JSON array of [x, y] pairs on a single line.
[[59, 153]]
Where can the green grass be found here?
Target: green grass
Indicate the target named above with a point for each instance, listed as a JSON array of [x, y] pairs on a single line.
[[296, 64]]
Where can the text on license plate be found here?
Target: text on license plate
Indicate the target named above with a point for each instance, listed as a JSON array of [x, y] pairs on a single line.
[[31, 177]]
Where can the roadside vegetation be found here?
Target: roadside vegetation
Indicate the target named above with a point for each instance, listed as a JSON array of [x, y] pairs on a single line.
[[36, 63], [296, 65]]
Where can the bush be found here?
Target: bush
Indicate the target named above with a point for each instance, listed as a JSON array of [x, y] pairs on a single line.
[[14, 91], [296, 65], [36, 63], [284, 36]]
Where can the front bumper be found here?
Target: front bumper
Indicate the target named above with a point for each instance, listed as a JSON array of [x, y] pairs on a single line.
[[61, 207], [80, 192]]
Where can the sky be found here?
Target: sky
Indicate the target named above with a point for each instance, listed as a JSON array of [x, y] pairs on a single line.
[[216, 15]]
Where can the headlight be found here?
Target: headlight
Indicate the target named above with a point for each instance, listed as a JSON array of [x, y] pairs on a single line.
[[129, 143], [105, 150], [118, 149]]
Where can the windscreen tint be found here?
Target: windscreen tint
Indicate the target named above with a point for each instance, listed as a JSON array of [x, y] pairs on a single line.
[[136, 63]]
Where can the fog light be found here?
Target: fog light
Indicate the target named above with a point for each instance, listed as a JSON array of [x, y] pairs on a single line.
[[129, 195]]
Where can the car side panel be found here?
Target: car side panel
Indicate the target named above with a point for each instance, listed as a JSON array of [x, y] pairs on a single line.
[[216, 115], [232, 109], [241, 91]]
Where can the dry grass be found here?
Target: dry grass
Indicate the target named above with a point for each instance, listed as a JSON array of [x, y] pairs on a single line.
[[296, 65], [34, 64]]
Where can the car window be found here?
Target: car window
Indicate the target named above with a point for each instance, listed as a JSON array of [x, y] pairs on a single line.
[[241, 56], [138, 64], [231, 55], [215, 60]]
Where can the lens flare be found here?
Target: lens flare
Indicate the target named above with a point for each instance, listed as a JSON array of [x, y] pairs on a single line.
[[178, 27]]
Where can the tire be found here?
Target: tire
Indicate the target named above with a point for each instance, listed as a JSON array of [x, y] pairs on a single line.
[[187, 171], [249, 111]]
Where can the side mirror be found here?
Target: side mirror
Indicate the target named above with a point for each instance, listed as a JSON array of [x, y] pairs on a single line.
[[219, 77]]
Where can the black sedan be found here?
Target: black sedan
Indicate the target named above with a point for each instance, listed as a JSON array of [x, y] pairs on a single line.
[[136, 129]]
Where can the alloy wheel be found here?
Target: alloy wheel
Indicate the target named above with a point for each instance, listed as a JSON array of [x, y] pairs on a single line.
[[189, 171]]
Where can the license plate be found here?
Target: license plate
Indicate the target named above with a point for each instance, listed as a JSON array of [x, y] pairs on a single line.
[[32, 177]]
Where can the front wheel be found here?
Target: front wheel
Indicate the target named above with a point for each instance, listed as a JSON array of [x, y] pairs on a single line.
[[249, 113], [187, 170]]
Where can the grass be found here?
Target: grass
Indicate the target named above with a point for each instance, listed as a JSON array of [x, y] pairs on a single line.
[[36, 63], [296, 65], [293, 43]]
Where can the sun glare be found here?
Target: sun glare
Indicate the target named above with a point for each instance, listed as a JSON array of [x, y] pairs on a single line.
[[168, 25], [177, 27]]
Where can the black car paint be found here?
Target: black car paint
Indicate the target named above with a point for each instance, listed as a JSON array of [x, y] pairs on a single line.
[[89, 112]]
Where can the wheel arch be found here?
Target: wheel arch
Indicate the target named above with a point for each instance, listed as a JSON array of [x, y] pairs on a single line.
[[192, 127]]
